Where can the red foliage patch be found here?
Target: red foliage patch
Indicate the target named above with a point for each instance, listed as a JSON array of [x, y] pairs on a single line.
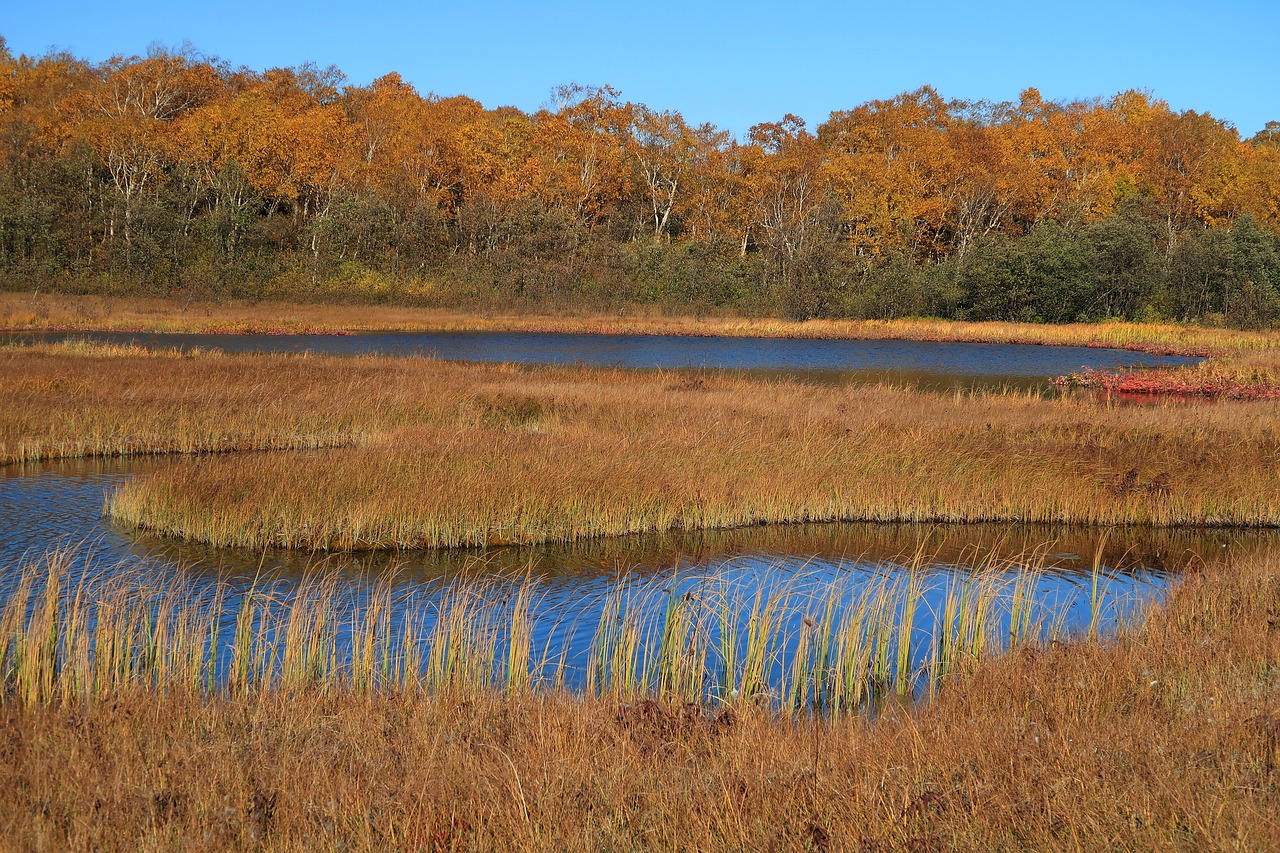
[[1164, 383]]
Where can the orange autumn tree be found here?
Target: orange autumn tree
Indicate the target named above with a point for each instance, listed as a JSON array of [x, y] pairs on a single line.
[[1260, 176], [889, 162], [1190, 164], [42, 107], [128, 114], [169, 168], [580, 148], [671, 157], [499, 177], [282, 135], [411, 148]]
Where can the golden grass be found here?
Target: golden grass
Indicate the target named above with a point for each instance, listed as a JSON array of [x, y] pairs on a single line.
[[24, 311], [792, 644], [74, 400], [1164, 737], [431, 454], [562, 455]]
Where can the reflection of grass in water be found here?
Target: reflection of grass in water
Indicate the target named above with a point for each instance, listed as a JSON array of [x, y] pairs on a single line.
[[1160, 737], [836, 646]]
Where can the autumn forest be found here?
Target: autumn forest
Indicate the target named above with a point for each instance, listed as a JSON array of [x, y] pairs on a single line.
[[177, 174]]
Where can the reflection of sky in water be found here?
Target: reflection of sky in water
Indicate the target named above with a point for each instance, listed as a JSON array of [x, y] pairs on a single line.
[[56, 505], [928, 364]]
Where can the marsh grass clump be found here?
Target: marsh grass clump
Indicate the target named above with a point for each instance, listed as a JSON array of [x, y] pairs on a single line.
[[394, 453], [633, 456], [510, 412]]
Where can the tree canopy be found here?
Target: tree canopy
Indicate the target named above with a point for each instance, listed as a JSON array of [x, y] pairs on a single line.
[[174, 171]]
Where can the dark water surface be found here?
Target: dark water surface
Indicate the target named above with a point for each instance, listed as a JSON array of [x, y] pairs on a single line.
[[55, 505], [927, 364]]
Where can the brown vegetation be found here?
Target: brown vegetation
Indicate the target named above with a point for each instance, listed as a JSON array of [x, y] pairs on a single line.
[[1240, 376], [1165, 737], [494, 455], [439, 454]]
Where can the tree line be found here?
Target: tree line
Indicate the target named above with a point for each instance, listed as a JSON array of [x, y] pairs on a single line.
[[175, 173]]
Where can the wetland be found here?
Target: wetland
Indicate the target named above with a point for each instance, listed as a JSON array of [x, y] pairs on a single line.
[[790, 573]]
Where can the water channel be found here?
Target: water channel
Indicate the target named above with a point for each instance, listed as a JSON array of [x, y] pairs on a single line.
[[1080, 578]]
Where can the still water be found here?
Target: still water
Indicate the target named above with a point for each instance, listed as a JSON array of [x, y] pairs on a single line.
[[48, 506], [927, 364]]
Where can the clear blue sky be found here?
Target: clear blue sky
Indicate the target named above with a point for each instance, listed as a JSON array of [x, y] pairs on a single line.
[[733, 64]]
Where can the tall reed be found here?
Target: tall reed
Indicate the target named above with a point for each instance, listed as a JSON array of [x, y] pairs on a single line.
[[800, 643]]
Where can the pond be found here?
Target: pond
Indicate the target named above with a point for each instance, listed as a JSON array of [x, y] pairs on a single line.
[[927, 364], [602, 613]]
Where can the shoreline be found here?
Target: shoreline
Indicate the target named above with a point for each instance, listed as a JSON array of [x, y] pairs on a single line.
[[1239, 365], [159, 316]]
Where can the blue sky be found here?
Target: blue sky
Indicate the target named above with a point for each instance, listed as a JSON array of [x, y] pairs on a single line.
[[733, 64]]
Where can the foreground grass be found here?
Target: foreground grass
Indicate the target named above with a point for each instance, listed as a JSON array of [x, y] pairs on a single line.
[[75, 633], [1165, 737], [430, 454]]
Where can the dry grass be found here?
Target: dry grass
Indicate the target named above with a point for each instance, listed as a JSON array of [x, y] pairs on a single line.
[[1166, 737], [436, 454], [532, 456], [73, 400]]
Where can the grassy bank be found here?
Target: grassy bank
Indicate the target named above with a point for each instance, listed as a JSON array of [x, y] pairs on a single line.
[[74, 400], [429, 454], [1237, 376], [1165, 737], [1242, 364], [26, 311]]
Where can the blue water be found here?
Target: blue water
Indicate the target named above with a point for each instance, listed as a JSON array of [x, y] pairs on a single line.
[[924, 363], [60, 505], [48, 506]]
